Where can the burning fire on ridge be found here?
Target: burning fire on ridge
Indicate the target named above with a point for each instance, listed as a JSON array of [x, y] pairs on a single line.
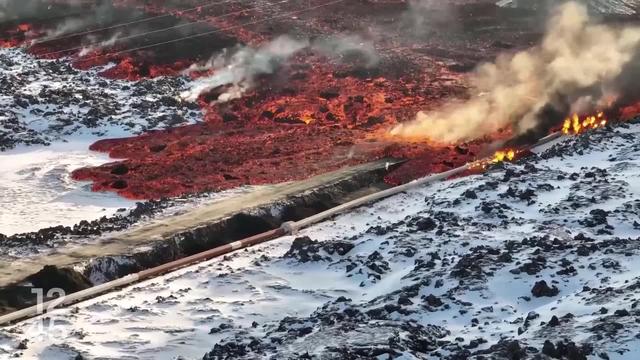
[[572, 125], [17, 35], [499, 156], [504, 155], [575, 125]]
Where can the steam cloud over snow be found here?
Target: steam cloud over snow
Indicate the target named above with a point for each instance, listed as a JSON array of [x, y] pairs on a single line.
[[577, 67], [239, 68]]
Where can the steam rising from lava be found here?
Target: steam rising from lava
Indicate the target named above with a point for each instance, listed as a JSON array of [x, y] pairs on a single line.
[[238, 69], [576, 68]]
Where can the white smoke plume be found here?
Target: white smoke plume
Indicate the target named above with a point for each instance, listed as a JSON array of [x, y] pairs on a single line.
[[575, 56], [95, 44], [66, 27], [239, 68]]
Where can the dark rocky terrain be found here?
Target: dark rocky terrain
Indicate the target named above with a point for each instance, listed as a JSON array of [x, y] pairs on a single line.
[[535, 259], [493, 266], [48, 101]]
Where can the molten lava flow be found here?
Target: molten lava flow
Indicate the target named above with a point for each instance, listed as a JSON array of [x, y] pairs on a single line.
[[575, 125], [312, 115], [305, 119], [24, 27], [17, 36], [630, 111]]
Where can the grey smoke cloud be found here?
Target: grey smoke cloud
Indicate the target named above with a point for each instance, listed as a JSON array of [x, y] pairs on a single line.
[[578, 63], [3, 8], [97, 44], [241, 67]]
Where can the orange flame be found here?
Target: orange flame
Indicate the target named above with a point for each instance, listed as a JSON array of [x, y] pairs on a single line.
[[504, 155], [498, 157], [575, 125]]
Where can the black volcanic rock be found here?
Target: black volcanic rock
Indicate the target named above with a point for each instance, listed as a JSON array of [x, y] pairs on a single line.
[[64, 278], [119, 169], [541, 289], [567, 350], [329, 93], [505, 349], [426, 224], [470, 194], [433, 300], [304, 249]]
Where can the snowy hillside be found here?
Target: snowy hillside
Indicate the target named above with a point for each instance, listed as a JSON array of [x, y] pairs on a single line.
[[50, 113], [620, 7], [496, 265]]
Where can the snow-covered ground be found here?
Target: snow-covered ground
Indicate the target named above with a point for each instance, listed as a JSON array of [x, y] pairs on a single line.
[[50, 114], [453, 270], [38, 192]]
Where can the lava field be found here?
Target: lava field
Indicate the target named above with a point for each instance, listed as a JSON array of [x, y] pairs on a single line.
[[313, 113], [137, 133]]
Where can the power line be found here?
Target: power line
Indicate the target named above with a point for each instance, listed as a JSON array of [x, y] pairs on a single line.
[[139, 21], [216, 31], [163, 29]]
